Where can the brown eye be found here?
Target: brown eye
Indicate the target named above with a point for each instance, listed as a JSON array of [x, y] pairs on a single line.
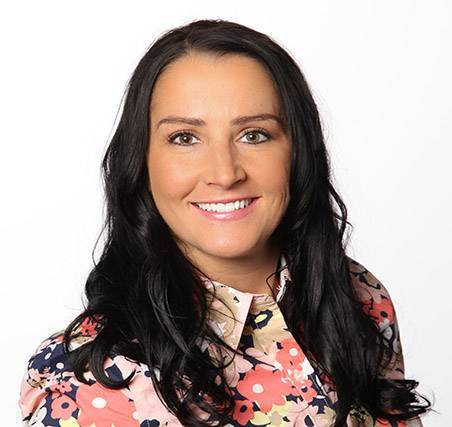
[[255, 139], [185, 138]]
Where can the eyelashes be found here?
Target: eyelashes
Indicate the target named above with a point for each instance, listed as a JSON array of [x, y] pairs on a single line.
[[173, 137]]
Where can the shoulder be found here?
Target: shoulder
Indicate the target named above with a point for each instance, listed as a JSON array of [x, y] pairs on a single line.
[[46, 368], [49, 361], [51, 395], [375, 297], [50, 392], [378, 305]]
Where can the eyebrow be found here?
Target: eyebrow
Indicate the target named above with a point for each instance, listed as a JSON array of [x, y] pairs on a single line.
[[237, 121]]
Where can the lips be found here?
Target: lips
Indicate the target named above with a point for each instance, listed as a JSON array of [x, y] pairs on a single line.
[[228, 216]]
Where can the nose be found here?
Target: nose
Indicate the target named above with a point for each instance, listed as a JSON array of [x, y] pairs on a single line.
[[224, 165]]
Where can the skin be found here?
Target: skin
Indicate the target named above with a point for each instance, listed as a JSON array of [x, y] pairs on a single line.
[[220, 162]]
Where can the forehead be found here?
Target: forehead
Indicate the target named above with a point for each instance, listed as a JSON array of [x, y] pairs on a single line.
[[202, 84]]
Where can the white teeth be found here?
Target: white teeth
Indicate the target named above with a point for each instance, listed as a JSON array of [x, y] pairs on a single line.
[[224, 207]]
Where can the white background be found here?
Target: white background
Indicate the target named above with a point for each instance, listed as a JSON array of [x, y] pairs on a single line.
[[381, 73]]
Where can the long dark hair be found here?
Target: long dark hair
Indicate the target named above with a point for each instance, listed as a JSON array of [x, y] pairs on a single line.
[[148, 298]]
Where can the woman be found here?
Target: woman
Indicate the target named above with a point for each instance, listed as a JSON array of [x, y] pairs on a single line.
[[223, 295]]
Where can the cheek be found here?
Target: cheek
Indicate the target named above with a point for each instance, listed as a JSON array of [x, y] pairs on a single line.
[[168, 177], [273, 172]]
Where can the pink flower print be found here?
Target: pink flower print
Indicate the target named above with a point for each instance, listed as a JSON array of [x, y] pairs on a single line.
[[34, 375], [307, 391], [379, 311], [89, 327], [61, 387], [265, 387], [290, 354], [62, 407], [232, 372], [267, 360], [243, 411], [104, 407]]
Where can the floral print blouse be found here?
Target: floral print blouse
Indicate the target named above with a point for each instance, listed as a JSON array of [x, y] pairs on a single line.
[[274, 383]]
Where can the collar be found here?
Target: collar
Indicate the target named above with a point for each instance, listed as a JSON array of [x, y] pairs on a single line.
[[230, 303]]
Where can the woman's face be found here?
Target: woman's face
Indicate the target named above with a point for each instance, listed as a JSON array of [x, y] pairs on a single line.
[[205, 148]]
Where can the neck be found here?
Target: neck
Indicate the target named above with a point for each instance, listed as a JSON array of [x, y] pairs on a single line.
[[246, 273]]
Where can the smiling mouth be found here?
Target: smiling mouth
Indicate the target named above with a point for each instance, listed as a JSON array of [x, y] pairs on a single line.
[[224, 207], [227, 212]]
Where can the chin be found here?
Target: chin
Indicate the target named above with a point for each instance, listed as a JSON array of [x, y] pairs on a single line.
[[230, 251]]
